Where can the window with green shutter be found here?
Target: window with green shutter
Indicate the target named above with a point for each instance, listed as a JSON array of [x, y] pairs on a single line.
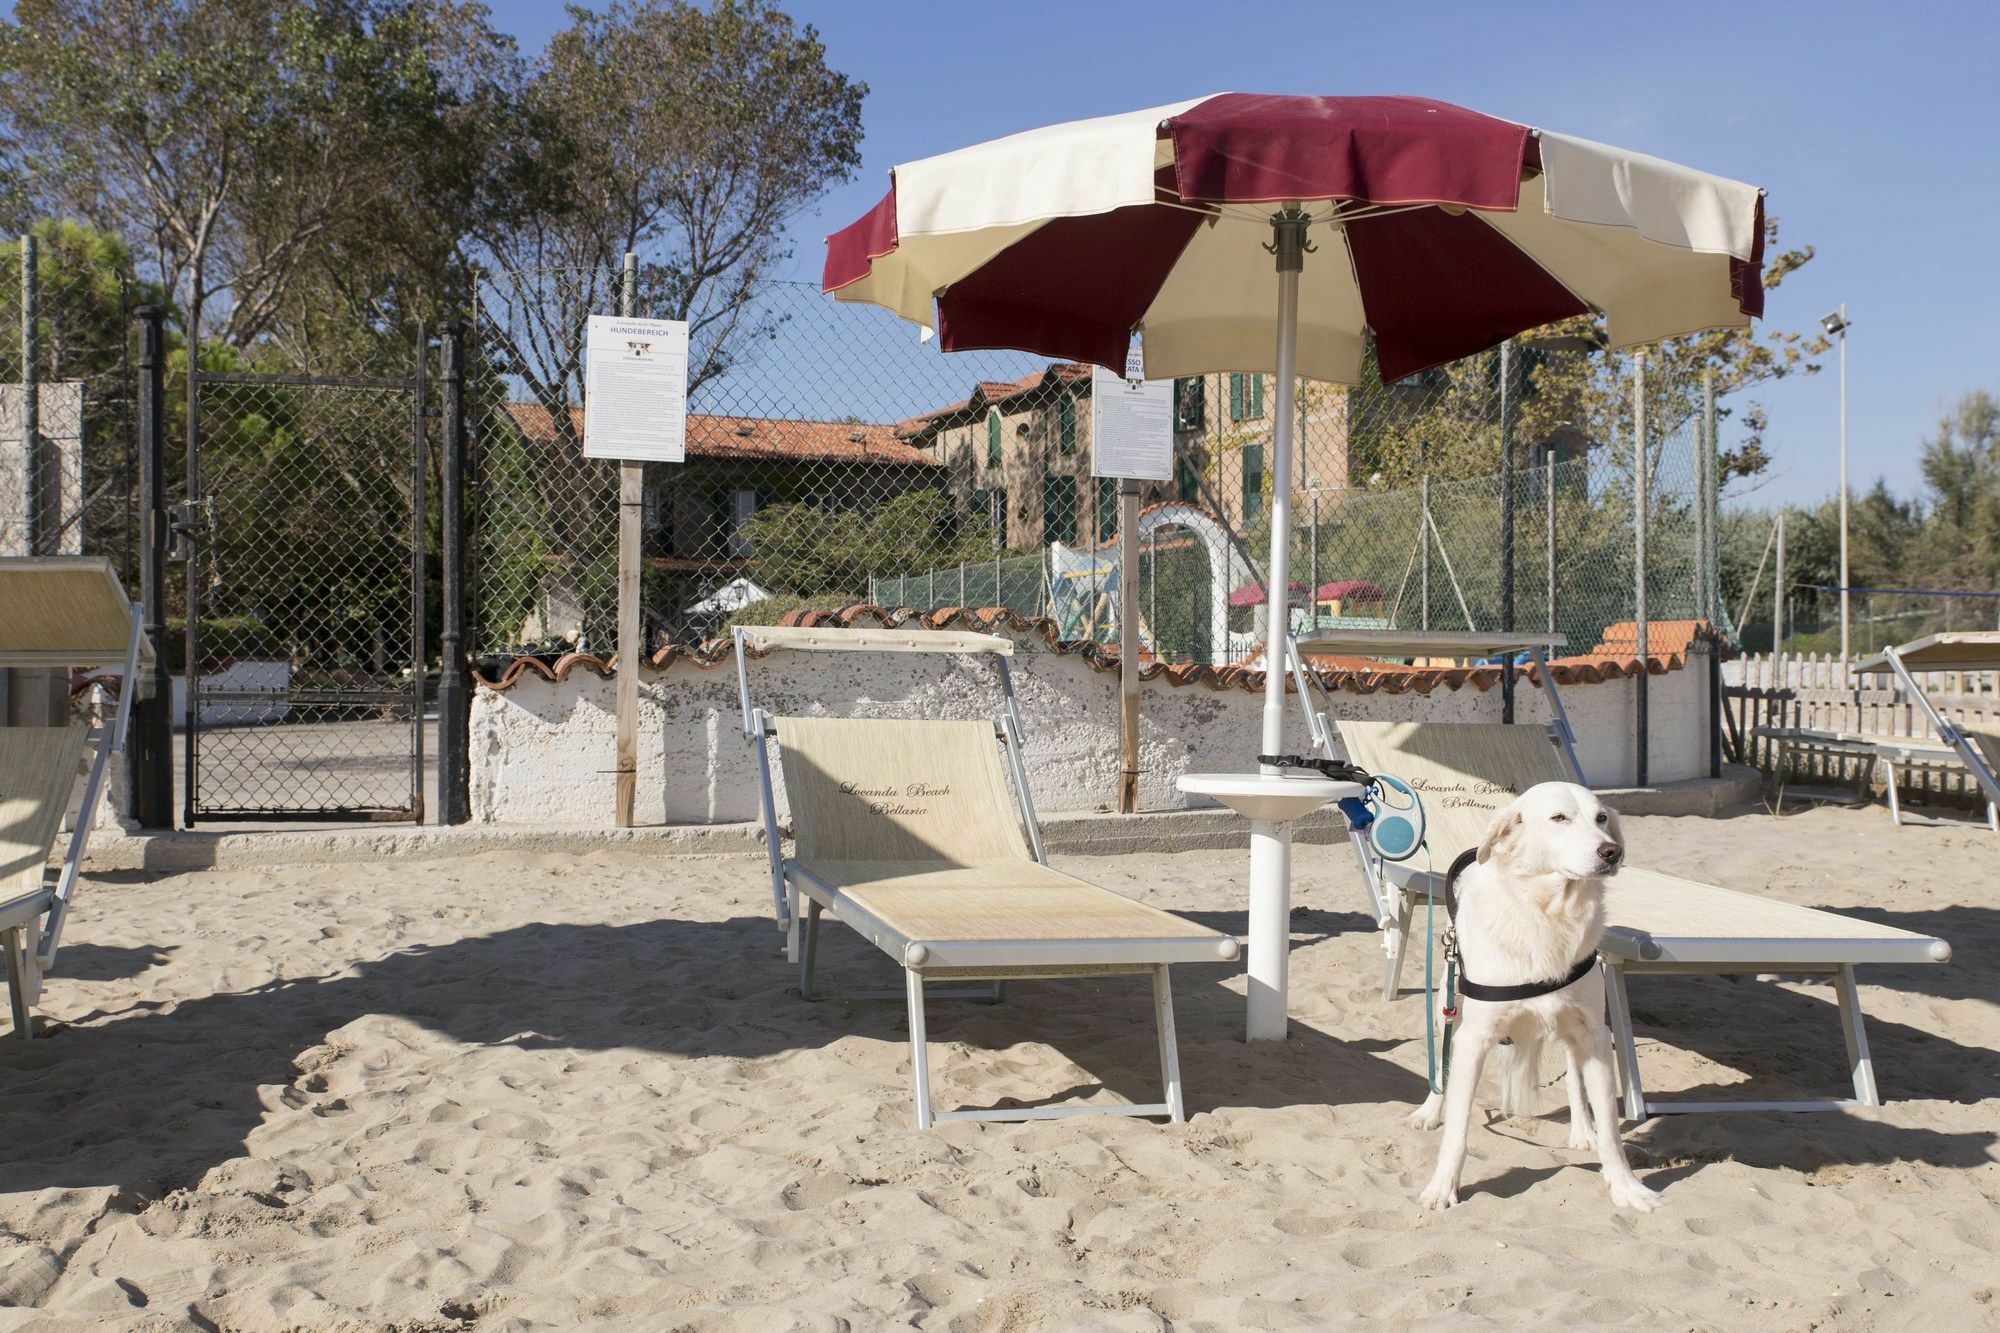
[[1059, 509], [1066, 424], [1187, 482], [1256, 396], [1107, 508], [1235, 397], [1253, 482], [993, 437]]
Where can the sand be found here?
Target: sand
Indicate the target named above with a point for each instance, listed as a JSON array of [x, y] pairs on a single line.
[[509, 1091]]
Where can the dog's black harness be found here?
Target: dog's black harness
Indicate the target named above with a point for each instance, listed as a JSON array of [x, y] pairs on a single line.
[[1471, 989]]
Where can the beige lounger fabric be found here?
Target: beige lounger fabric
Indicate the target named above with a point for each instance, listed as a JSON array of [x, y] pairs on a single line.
[[1463, 771], [994, 901], [1963, 650], [914, 822], [866, 789], [1668, 907], [63, 611], [1466, 771], [38, 770]]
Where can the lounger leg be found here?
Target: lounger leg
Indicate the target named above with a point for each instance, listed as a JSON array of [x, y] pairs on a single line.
[[1857, 1039], [17, 983], [1621, 1032], [920, 1071], [1993, 816], [1392, 980], [1895, 804], [808, 948], [1170, 1052], [999, 993], [792, 926]]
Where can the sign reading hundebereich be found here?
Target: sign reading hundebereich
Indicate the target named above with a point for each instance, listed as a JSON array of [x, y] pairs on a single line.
[[635, 389]]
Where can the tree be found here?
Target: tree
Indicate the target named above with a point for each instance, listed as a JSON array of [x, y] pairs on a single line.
[[690, 137], [238, 144]]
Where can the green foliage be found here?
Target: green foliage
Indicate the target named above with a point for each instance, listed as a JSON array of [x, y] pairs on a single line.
[[806, 551]]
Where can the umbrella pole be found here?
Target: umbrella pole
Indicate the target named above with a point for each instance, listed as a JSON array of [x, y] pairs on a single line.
[[1271, 840], [1288, 230]]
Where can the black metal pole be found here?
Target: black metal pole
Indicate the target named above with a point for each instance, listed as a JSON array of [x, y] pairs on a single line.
[[454, 680], [150, 746], [1507, 524]]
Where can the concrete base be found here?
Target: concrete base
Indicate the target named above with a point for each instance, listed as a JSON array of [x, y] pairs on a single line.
[[204, 849], [1706, 797], [1065, 834]]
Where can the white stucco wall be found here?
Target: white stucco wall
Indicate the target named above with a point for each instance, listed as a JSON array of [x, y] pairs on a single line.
[[542, 751]]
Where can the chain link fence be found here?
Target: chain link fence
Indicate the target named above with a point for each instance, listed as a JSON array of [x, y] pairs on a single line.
[[68, 474], [835, 458]]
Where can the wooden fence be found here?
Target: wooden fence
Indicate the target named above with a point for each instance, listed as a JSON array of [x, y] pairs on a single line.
[[1820, 692]]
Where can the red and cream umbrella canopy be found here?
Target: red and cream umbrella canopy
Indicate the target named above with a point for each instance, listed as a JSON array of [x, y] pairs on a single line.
[[1440, 230], [1443, 230]]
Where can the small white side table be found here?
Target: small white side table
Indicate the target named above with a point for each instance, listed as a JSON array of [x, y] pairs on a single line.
[[1272, 802]]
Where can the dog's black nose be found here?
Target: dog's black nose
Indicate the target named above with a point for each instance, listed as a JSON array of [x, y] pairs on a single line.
[[1609, 852]]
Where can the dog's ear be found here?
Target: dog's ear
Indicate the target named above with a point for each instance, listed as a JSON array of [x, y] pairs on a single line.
[[1501, 832]]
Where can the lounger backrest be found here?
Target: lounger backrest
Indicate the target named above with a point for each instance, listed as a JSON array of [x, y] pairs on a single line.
[[62, 611], [38, 769], [1463, 771], [867, 789]]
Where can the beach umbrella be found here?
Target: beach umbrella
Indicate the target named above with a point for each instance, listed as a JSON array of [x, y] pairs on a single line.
[[1251, 232]]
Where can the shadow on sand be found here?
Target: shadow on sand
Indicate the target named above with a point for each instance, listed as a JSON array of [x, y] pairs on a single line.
[[74, 1115]]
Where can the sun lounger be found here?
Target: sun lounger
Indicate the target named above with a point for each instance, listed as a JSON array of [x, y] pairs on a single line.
[[1894, 753], [910, 833], [56, 613], [1655, 923]]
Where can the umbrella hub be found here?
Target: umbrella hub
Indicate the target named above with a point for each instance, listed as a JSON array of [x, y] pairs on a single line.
[[1288, 238]]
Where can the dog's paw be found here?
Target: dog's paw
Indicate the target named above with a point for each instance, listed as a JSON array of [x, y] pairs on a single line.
[[1439, 1195], [1631, 1194], [1424, 1117], [1580, 1137]]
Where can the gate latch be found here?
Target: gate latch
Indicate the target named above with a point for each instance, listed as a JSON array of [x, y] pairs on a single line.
[[188, 522]]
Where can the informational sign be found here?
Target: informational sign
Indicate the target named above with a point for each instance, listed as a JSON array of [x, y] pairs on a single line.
[[635, 389], [1131, 423]]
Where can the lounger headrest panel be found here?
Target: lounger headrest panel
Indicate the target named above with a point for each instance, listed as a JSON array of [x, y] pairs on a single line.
[[1464, 771], [62, 610], [38, 771], [1960, 650], [876, 640], [863, 789]]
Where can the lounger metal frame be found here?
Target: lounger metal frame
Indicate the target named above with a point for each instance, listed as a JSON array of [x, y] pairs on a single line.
[[31, 929], [1624, 952], [1878, 752], [799, 899]]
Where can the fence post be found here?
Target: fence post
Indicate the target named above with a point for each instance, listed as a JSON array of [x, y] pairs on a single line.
[[1549, 533], [1507, 525], [1711, 571], [1640, 505], [1424, 544], [150, 752], [34, 492], [1778, 615], [454, 679], [631, 648]]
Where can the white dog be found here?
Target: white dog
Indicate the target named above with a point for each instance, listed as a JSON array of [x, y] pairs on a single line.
[[1530, 912]]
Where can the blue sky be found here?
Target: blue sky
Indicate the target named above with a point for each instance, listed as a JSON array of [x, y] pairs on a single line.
[[1875, 128]]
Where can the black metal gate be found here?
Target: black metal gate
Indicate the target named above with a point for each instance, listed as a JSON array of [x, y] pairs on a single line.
[[304, 542]]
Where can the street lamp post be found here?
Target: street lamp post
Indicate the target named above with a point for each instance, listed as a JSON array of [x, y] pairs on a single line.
[[1836, 325]]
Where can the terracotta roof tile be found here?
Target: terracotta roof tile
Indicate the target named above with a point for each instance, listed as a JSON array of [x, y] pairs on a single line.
[[1349, 675], [711, 436]]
